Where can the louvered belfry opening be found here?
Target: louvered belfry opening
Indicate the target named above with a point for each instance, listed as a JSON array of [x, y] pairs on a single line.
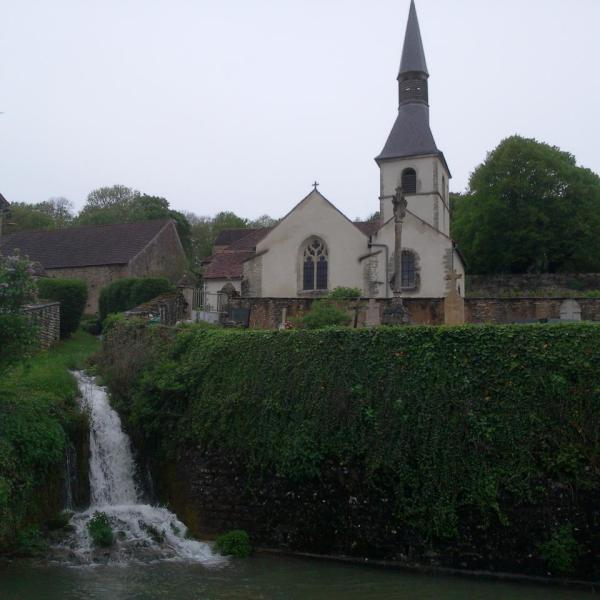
[[414, 89], [409, 181]]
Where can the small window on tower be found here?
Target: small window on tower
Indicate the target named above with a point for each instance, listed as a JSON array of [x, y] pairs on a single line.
[[409, 181]]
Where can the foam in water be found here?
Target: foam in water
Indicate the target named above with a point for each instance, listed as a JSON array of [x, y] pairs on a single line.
[[142, 532]]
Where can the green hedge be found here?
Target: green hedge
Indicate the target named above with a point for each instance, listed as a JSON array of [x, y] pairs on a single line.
[[127, 293], [456, 414], [72, 295], [470, 420]]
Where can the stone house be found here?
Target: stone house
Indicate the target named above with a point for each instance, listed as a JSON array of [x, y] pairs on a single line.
[[316, 248], [101, 254]]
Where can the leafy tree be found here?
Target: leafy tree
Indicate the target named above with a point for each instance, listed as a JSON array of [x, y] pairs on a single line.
[[263, 221], [107, 205], [24, 217], [120, 204], [529, 208], [59, 209]]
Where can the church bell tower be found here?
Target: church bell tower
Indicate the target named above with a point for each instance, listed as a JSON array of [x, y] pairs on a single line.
[[410, 157]]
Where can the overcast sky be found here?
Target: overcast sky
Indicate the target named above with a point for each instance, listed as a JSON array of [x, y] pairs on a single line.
[[240, 104]]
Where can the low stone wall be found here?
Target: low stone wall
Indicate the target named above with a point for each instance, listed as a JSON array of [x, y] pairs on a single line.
[[167, 308], [515, 310], [46, 317], [267, 313], [555, 284]]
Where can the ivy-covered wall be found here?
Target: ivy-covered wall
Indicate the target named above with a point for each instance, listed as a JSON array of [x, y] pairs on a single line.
[[473, 447]]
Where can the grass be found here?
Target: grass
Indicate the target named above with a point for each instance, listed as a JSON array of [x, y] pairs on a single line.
[[38, 410]]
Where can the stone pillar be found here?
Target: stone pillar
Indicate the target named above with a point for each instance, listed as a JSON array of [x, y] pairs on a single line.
[[395, 312], [454, 303]]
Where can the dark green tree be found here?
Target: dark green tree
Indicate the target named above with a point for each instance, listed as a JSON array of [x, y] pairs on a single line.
[[120, 204], [529, 208], [51, 214]]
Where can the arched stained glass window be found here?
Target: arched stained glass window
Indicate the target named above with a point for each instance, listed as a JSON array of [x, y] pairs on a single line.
[[315, 265], [409, 271], [409, 181]]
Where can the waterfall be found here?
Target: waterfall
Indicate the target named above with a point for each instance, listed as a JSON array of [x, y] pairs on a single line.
[[141, 531]]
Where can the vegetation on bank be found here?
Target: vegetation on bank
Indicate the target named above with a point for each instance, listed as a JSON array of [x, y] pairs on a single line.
[[460, 427], [100, 530], [234, 543], [38, 412]]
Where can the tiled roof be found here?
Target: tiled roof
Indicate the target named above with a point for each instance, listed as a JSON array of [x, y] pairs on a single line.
[[86, 246], [229, 263], [368, 227], [4, 205], [229, 236]]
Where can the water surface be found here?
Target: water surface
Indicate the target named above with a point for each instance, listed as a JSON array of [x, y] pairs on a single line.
[[257, 578]]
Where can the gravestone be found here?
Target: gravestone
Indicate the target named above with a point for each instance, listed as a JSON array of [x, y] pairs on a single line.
[[373, 318], [570, 310]]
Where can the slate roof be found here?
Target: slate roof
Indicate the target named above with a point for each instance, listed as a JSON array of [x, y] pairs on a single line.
[[411, 134], [4, 205], [88, 246], [413, 54]]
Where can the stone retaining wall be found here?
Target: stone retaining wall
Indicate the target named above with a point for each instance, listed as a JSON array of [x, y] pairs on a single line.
[[554, 284], [515, 310], [267, 313], [46, 317]]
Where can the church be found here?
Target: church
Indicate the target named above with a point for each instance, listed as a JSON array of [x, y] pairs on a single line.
[[316, 248]]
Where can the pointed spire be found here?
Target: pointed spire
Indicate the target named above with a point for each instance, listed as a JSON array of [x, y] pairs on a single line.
[[413, 55]]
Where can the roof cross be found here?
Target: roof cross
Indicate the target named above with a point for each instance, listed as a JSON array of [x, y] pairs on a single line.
[[316, 185]]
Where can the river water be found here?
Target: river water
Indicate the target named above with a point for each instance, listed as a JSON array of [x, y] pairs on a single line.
[[256, 578], [153, 558]]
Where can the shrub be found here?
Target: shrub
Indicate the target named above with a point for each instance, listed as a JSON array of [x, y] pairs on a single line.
[[323, 313], [561, 550], [31, 542], [331, 311], [17, 338], [127, 293], [235, 543], [91, 325], [17, 334], [72, 295], [100, 530]]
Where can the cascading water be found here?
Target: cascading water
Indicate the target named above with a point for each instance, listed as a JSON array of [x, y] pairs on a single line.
[[142, 532]]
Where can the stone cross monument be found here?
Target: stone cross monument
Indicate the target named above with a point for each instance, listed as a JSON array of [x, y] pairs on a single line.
[[395, 313]]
